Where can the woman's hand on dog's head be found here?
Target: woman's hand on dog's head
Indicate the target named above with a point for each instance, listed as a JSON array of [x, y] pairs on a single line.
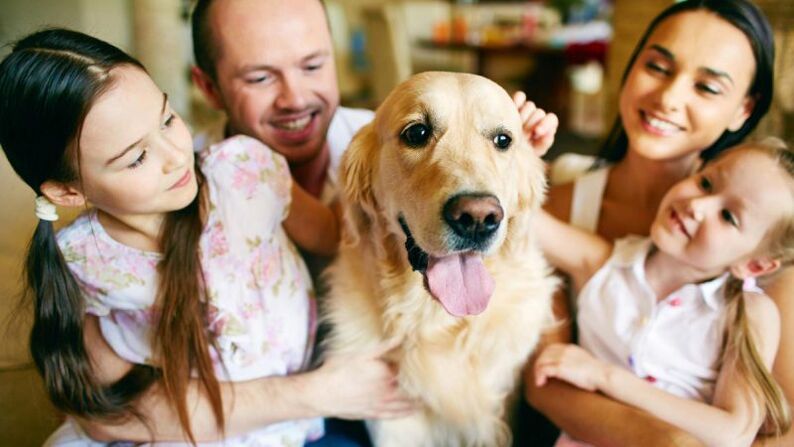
[[539, 126]]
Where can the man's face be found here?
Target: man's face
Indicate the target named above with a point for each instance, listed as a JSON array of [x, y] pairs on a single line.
[[276, 76]]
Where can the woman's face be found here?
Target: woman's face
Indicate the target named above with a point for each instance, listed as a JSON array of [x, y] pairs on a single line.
[[687, 86]]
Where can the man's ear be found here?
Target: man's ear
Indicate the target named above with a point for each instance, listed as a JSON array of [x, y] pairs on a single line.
[[207, 86], [755, 267], [744, 112], [62, 194]]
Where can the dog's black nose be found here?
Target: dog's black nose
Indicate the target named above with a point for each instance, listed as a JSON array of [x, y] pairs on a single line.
[[473, 217]]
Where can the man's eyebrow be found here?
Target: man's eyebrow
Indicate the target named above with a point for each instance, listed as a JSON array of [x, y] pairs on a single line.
[[266, 67], [131, 146]]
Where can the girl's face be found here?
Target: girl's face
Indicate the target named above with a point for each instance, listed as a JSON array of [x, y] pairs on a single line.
[[720, 217], [688, 85], [136, 153]]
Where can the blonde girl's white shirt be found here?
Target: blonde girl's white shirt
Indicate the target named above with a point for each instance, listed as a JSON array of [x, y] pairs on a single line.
[[261, 306], [674, 343]]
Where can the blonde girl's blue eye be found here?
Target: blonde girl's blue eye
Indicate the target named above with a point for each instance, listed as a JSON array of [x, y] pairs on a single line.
[[705, 184], [138, 161], [728, 217]]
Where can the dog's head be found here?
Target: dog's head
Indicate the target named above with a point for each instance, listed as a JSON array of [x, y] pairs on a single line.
[[446, 169]]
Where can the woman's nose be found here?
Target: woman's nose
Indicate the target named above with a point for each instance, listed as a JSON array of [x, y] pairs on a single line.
[[672, 95]]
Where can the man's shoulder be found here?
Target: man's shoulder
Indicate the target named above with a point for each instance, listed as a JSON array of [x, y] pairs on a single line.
[[355, 118], [344, 125]]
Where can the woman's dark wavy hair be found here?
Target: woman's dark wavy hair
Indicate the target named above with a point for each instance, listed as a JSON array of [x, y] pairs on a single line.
[[745, 16], [48, 84]]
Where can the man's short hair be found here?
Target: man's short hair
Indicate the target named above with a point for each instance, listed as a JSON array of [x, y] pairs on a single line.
[[205, 47], [205, 50]]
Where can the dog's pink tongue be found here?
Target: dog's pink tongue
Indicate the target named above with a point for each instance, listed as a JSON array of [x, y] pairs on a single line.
[[460, 283]]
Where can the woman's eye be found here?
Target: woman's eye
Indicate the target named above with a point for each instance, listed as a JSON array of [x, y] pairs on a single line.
[[138, 161], [707, 88], [415, 135], [502, 141], [705, 184], [657, 68], [728, 216]]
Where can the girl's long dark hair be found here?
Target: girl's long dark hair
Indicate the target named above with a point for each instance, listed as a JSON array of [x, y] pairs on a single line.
[[745, 16], [48, 84]]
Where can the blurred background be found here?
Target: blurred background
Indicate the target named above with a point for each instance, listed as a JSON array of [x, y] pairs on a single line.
[[568, 55]]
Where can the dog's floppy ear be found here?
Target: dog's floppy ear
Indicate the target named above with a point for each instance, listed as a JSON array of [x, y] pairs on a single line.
[[356, 178]]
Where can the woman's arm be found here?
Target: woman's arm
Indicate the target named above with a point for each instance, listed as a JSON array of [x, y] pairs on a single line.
[[780, 288], [730, 420], [576, 252], [361, 386], [313, 226]]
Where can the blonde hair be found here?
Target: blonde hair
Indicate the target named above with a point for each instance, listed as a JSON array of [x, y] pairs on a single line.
[[740, 349]]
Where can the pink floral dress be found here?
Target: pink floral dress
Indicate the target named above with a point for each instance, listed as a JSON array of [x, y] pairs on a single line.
[[262, 306]]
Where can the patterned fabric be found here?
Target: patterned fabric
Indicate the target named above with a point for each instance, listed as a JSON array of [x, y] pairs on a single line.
[[260, 299], [674, 343]]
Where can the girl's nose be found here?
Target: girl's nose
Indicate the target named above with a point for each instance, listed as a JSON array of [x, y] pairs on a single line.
[[174, 157], [699, 207]]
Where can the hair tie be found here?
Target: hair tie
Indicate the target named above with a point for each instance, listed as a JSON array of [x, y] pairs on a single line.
[[751, 285], [45, 210]]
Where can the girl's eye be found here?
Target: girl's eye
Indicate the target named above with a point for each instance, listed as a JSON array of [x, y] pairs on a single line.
[[169, 121], [727, 216], [138, 161], [705, 184]]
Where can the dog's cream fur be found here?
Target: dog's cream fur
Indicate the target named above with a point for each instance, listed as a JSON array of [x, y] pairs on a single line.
[[460, 368]]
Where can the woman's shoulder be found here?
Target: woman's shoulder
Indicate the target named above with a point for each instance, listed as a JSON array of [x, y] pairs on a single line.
[[558, 201]]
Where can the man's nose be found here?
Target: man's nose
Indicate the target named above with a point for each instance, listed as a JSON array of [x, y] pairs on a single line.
[[291, 95]]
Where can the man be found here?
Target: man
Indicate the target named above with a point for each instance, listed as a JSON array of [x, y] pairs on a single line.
[[269, 65]]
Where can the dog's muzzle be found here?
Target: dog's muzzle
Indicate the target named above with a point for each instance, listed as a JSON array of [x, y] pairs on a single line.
[[474, 219]]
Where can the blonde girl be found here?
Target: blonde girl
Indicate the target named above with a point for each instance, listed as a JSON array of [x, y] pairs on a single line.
[[673, 324]]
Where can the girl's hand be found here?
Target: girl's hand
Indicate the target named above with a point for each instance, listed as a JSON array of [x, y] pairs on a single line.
[[363, 386], [539, 126], [572, 364]]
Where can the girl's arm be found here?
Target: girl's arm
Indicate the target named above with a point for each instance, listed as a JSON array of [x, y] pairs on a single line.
[[731, 420], [355, 387], [781, 289], [576, 252], [313, 226]]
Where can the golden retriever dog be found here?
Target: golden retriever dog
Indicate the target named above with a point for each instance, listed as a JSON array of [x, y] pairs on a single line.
[[437, 253]]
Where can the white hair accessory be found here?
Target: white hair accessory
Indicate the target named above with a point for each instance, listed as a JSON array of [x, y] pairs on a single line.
[[45, 210]]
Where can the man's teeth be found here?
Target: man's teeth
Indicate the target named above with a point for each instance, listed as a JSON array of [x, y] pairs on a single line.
[[297, 124], [661, 125]]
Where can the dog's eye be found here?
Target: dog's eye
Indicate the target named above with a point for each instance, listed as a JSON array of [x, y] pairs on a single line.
[[415, 135], [502, 141]]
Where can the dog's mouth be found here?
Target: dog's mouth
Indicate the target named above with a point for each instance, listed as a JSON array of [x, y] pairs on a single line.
[[458, 281]]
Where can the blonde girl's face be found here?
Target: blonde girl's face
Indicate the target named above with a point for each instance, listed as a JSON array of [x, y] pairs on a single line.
[[136, 155], [688, 85], [721, 216]]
